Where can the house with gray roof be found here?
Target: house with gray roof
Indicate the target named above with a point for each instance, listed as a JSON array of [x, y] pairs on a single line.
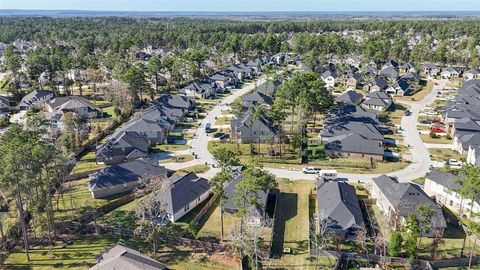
[[200, 89], [366, 130], [338, 206], [449, 72], [74, 104], [399, 88], [4, 104], [329, 77], [379, 101], [471, 74], [183, 194], [408, 67], [125, 177], [390, 73], [349, 113], [443, 186], [256, 99], [224, 79], [125, 146], [431, 69], [376, 84], [256, 212], [34, 99], [462, 141], [268, 88], [247, 129], [354, 145], [349, 97], [121, 257], [411, 77], [150, 130], [396, 199], [473, 155]]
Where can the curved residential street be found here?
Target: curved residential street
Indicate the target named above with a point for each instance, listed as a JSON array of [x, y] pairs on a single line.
[[420, 161]]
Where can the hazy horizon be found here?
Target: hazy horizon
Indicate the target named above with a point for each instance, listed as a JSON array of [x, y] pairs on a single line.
[[243, 6]]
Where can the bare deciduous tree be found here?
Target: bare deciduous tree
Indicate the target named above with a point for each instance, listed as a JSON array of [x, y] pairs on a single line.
[[151, 209], [249, 240]]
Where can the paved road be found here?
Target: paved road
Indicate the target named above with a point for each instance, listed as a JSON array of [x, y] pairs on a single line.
[[420, 156], [200, 140]]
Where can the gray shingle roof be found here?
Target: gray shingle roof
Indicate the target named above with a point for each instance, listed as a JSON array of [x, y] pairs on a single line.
[[183, 190], [349, 97], [366, 130], [72, 103], [125, 173], [407, 196], [229, 190], [338, 202], [354, 143], [255, 99], [120, 257]]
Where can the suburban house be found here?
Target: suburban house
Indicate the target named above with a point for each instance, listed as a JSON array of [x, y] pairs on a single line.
[[379, 101], [390, 72], [329, 77], [247, 129], [408, 68], [431, 69], [200, 89], [473, 155], [442, 187], [462, 141], [399, 88], [126, 146], [471, 74], [268, 88], [370, 70], [123, 257], [34, 99], [354, 145], [175, 106], [124, 177], [224, 79], [4, 104], [150, 130], [449, 72], [354, 60], [338, 207], [256, 99], [352, 80], [256, 65], [256, 214], [411, 77], [74, 104], [349, 97], [401, 199], [376, 84], [183, 195]]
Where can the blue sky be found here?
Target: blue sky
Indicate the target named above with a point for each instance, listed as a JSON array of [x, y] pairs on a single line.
[[245, 5]]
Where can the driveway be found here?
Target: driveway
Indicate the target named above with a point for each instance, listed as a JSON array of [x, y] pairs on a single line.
[[419, 166]]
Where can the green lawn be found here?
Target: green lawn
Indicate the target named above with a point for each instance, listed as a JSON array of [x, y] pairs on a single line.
[[195, 169], [397, 113], [109, 111], [169, 148], [293, 200], [77, 200], [441, 140], [123, 217], [81, 255], [178, 159], [87, 163], [441, 154], [222, 121]]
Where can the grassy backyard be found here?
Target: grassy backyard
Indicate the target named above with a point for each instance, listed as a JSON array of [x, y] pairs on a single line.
[[441, 154], [293, 200], [440, 140], [81, 255], [169, 148], [87, 163]]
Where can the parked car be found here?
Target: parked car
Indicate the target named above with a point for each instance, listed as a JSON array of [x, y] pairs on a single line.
[[425, 122], [219, 135], [310, 170], [407, 113], [455, 164]]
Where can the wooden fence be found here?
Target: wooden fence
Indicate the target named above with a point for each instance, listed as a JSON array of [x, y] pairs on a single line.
[[204, 210]]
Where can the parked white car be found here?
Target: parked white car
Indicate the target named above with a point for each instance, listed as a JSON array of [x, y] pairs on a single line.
[[454, 164]]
